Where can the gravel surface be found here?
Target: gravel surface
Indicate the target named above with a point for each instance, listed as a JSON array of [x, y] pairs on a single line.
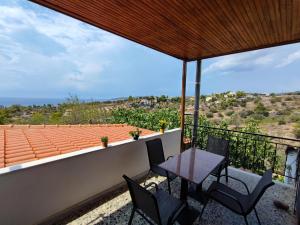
[[117, 208]]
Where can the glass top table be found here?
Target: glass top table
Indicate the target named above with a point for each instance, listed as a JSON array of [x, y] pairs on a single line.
[[193, 164]]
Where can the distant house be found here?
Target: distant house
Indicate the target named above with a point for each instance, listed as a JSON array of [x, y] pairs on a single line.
[[230, 94], [208, 98]]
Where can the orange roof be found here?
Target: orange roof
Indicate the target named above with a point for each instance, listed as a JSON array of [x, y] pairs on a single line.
[[24, 143]]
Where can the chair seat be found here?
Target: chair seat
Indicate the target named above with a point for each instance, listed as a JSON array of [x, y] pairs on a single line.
[[167, 205], [227, 201], [215, 172], [160, 171]]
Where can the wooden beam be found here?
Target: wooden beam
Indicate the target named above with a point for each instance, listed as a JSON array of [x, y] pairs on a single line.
[[197, 102], [182, 105]]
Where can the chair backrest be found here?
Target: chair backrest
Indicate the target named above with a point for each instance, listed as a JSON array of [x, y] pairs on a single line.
[[264, 183], [218, 146], [155, 151], [143, 199]]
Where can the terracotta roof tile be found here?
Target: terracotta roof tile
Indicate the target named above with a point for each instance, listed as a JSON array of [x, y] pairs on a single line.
[[23, 143]]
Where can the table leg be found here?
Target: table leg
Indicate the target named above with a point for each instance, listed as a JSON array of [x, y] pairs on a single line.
[[199, 188], [184, 189], [189, 214]]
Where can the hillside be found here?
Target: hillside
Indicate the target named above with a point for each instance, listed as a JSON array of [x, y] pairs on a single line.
[[276, 114]]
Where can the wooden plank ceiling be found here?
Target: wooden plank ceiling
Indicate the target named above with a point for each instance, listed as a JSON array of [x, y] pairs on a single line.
[[191, 29]]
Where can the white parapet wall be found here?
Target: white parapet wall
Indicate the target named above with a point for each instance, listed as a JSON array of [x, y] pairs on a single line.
[[33, 192]]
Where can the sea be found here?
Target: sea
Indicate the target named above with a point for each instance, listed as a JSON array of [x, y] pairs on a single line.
[[8, 101]]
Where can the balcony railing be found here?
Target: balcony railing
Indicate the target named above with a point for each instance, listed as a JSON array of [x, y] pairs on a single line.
[[255, 152]]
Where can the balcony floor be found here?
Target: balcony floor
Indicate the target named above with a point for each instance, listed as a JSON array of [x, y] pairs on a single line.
[[116, 210]]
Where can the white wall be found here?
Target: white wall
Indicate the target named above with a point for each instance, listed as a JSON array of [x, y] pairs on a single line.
[[35, 191]]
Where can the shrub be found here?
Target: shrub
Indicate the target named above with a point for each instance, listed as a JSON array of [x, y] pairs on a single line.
[[295, 118], [148, 119], [288, 99], [224, 105], [257, 100], [240, 94], [243, 103], [283, 112], [220, 114], [38, 118], [4, 116], [261, 110], [245, 113], [296, 131], [256, 116], [235, 104], [281, 121], [209, 115], [275, 99], [229, 113], [213, 110]]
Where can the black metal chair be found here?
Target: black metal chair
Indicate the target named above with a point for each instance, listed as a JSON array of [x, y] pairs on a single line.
[[297, 203], [221, 147], [237, 202], [160, 207], [156, 156]]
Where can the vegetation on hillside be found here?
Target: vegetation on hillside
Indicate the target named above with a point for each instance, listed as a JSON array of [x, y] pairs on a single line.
[[252, 113], [273, 113]]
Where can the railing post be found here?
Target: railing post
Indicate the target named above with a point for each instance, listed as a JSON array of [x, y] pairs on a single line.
[[182, 105], [197, 103]]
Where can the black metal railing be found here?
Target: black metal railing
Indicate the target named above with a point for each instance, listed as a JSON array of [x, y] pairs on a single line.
[[254, 152]]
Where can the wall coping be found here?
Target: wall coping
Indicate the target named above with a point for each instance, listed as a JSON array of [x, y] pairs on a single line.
[[38, 162]]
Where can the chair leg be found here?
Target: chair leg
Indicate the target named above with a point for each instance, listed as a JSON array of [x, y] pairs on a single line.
[[131, 217], [169, 185], [218, 178], [246, 221], [204, 206], [219, 174], [226, 174], [257, 216]]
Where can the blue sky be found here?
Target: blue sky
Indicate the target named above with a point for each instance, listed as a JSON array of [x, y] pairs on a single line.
[[45, 54]]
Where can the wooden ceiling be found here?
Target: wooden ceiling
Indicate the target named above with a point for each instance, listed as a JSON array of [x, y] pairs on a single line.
[[191, 29]]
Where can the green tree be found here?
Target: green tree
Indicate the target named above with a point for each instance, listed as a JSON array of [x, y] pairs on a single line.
[[130, 98], [4, 116], [162, 98], [240, 94], [38, 118], [261, 109], [148, 119], [55, 118]]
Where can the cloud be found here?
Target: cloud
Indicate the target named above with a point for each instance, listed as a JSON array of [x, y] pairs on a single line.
[[41, 50], [240, 62], [291, 58]]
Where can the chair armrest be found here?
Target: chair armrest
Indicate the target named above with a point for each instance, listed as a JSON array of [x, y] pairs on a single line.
[[170, 157], [245, 185], [229, 196], [176, 213], [150, 185]]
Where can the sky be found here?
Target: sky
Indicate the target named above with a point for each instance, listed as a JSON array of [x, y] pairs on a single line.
[[44, 54]]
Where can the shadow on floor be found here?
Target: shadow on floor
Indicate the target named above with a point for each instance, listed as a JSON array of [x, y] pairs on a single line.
[[116, 209]]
